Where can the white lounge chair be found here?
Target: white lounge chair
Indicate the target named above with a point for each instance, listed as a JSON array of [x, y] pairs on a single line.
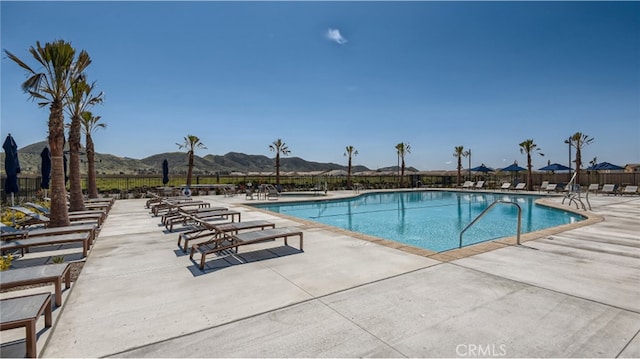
[[609, 189], [520, 186], [468, 184], [543, 186], [505, 186], [630, 190], [479, 185], [594, 187]]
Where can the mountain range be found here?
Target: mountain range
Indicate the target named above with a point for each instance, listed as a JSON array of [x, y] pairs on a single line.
[[210, 164]]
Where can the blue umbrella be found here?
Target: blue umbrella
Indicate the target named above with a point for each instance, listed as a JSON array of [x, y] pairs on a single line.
[[513, 168], [554, 167], [603, 166], [482, 168], [11, 166], [165, 172], [45, 168]]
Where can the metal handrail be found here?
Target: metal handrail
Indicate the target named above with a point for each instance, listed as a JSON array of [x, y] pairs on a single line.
[[486, 210]]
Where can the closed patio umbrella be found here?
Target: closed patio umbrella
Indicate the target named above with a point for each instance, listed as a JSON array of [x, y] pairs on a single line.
[[45, 169], [165, 172], [11, 168]]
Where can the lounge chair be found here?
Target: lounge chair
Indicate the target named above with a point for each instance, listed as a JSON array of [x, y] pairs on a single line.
[[34, 219], [177, 215], [594, 187], [543, 186], [7, 232], [272, 192], [88, 214], [467, 184], [609, 189], [520, 186], [202, 216], [479, 185], [155, 199], [48, 273], [551, 187], [630, 190], [169, 205], [20, 244], [234, 241], [505, 186], [214, 231], [18, 312]]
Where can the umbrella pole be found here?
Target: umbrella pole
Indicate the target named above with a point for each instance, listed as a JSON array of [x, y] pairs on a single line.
[[13, 212]]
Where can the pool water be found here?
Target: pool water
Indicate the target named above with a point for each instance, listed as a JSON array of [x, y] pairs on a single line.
[[431, 220]]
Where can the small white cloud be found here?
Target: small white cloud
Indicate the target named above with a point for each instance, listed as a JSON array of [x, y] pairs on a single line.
[[448, 162], [334, 35]]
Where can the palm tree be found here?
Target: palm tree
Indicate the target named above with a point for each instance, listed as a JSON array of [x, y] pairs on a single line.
[[402, 149], [80, 100], [90, 124], [593, 162], [279, 148], [578, 141], [529, 147], [191, 143], [60, 70], [350, 152], [459, 153], [467, 154]]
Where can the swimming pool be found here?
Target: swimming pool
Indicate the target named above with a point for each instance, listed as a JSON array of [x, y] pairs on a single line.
[[428, 219]]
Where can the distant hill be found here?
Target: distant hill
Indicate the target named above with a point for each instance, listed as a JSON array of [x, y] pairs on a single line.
[[209, 164]]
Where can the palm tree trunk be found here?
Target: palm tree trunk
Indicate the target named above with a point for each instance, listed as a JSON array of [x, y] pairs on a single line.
[[92, 188], [459, 169], [578, 164], [59, 213], [349, 174], [76, 201], [190, 170], [402, 174], [278, 169], [529, 181]]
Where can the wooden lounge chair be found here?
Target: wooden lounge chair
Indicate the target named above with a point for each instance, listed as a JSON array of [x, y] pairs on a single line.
[[24, 312], [178, 213], [505, 186], [520, 186], [234, 241], [19, 244], [34, 219], [169, 205], [7, 232], [48, 273], [215, 231], [203, 216], [75, 215]]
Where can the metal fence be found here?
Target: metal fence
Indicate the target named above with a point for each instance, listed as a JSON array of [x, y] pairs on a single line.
[[132, 186]]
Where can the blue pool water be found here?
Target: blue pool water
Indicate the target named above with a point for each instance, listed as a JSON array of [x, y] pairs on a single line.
[[428, 219]]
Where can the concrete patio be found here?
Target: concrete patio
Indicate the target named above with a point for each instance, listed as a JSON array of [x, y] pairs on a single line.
[[568, 294]]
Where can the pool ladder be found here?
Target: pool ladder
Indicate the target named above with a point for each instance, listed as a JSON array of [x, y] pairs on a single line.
[[486, 210]]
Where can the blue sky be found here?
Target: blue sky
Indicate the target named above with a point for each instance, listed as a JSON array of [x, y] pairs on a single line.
[[325, 75]]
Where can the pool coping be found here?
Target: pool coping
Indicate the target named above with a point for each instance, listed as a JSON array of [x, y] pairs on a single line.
[[451, 254]]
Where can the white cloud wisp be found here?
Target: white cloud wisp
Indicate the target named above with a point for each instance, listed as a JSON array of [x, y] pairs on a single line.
[[335, 36]]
